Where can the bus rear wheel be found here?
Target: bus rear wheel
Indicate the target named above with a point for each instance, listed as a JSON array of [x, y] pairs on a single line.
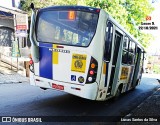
[[118, 93], [133, 87]]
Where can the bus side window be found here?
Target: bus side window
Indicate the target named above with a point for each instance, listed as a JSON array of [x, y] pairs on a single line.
[[125, 50], [132, 47], [108, 41], [124, 57], [130, 58], [131, 54]]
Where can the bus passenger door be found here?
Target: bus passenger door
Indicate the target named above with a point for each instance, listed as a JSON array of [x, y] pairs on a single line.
[[107, 58], [113, 75], [137, 67]]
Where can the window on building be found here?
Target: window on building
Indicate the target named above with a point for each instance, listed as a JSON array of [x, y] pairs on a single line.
[[6, 36]]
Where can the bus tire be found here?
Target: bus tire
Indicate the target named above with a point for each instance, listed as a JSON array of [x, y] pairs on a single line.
[[137, 82], [118, 93], [133, 88]]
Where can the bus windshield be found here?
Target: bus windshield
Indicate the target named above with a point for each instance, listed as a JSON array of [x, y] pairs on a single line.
[[69, 27]]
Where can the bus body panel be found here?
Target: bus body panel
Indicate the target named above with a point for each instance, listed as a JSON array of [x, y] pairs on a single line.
[[88, 91], [66, 65], [126, 77]]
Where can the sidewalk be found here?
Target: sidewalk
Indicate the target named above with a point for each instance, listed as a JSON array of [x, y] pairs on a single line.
[[8, 76], [148, 112]]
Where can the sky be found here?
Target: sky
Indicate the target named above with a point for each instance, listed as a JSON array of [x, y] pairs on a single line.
[[155, 44]]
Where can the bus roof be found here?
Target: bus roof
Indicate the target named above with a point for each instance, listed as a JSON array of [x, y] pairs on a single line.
[[82, 8]]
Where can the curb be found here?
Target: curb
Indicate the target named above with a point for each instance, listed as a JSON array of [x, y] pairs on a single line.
[[13, 82]]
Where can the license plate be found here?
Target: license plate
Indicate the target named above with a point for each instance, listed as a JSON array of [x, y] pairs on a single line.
[[59, 87]]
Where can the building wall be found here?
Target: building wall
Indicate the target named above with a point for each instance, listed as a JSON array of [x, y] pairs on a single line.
[[6, 3]]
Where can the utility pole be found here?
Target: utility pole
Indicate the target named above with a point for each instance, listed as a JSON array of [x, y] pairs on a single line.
[[15, 38]]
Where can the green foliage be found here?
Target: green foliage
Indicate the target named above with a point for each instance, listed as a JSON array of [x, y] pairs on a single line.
[[129, 13], [45, 3], [144, 39], [156, 68]]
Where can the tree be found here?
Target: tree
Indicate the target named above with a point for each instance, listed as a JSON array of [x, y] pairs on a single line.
[[25, 4], [137, 12], [129, 13]]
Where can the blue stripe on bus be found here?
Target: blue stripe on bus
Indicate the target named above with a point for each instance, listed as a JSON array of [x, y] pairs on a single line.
[[45, 65], [106, 78]]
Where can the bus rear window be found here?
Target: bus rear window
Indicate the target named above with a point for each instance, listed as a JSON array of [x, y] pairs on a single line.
[[75, 28]]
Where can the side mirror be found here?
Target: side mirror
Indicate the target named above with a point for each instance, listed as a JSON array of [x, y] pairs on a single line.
[[32, 6]]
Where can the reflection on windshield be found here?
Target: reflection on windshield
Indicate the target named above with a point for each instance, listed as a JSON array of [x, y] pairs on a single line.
[[55, 27]]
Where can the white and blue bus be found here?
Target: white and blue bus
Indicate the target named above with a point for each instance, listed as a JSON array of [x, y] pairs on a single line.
[[83, 51]]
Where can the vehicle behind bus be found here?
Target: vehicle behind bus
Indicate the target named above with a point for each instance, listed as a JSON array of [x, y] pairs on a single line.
[[83, 51]]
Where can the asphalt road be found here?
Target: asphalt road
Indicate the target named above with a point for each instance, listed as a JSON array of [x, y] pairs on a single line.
[[22, 99]]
